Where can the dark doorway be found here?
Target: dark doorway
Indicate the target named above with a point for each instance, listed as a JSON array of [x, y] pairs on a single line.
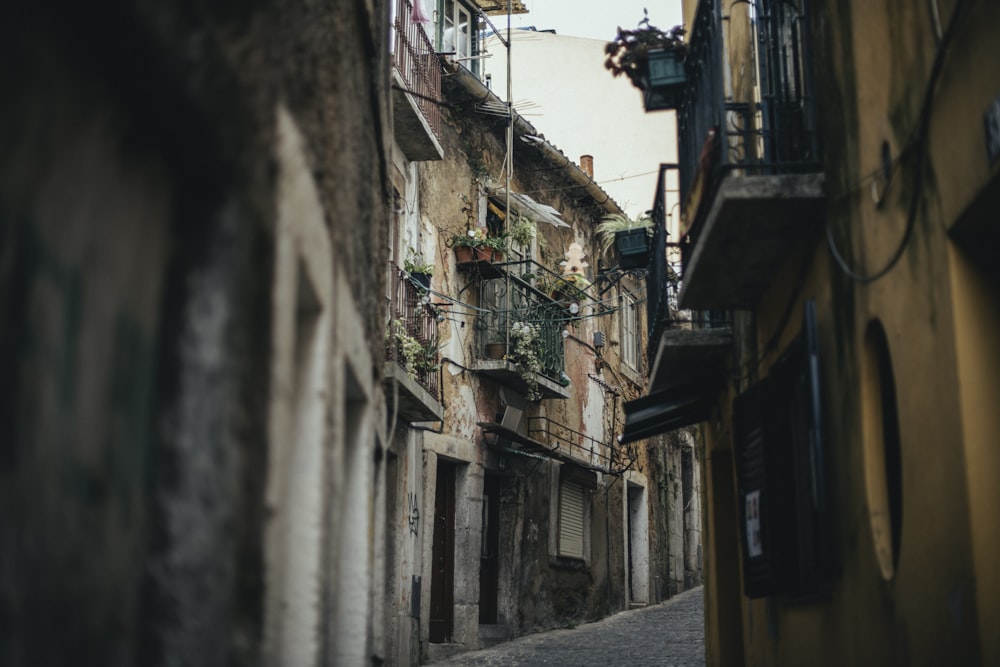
[[489, 556], [443, 556]]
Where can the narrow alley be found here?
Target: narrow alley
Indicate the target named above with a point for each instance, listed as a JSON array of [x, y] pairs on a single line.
[[671, 634]]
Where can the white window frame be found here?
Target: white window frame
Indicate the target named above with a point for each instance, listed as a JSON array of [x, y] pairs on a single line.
[[455, 15], [629, 319]]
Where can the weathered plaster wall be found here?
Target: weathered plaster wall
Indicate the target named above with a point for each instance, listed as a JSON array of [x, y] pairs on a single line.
[[138, 200]]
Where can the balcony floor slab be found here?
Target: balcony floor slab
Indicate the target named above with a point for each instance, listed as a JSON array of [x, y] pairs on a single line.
[[752, 224]]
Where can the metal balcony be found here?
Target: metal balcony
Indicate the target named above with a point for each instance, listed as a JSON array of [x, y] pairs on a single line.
[[416, 83], [412, 385], [688, 349], [507, 300], [750, 170], [551, 439]]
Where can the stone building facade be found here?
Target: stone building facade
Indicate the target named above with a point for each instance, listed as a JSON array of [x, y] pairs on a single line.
[[191, 212], [485, 477]]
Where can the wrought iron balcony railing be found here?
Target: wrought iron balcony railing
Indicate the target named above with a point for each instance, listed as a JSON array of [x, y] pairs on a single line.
[[520, 294], [417, 63], [581, 448], [769, 127], [412, 338], [508, 302], [664, 277]]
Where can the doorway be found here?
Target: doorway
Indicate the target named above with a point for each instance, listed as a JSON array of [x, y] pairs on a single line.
[[489, 555], [637, 533], [442, 612]]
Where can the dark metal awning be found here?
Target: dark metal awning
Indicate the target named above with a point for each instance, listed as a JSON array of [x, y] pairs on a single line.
[[668, 410]]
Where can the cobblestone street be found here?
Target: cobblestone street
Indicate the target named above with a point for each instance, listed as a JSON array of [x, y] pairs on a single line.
[[670, 634]]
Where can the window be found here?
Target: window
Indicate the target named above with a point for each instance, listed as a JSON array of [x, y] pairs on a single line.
[[882, 450], [458, 32], [571, 515], [630, 331]]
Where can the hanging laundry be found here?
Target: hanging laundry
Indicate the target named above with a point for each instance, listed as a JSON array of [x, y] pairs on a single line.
[[418, 15]]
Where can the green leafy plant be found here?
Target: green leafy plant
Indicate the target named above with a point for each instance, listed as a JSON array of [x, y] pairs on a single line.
[[414, 263], [613, 223], [478, 238], [525, 352], [419, 357], [628, 53], [521, 231]]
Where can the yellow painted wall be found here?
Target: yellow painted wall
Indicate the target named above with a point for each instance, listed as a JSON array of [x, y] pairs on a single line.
[[940, 309], [977, 331]]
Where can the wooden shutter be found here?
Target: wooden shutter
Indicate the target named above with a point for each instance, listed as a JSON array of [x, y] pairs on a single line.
[[571, 520]]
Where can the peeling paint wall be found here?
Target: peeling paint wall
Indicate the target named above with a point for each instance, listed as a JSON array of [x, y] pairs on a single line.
[[536, 588]]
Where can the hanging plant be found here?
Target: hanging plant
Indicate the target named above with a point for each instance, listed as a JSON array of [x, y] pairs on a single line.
[[420, 357], [628, 53], [521, 231], [526, 353]]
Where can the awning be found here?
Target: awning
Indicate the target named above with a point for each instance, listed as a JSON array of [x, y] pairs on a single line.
[[668, 410], [529, 208]]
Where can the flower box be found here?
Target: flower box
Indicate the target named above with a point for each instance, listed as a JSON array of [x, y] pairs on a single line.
[[632, 246], [664, 79]]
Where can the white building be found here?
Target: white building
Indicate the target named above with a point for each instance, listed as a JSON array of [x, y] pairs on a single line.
[[560, 84]]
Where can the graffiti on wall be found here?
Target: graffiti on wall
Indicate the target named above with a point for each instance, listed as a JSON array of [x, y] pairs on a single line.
[[413, 514]]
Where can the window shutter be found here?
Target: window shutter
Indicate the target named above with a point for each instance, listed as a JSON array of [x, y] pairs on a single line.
[[783, 505], [571, 520], [755, 492]]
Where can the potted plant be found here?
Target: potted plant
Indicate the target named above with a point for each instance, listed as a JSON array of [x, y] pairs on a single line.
[[653, 60], [418, 270], [629, 236], [476, 245], [496, 349], [526, 353]]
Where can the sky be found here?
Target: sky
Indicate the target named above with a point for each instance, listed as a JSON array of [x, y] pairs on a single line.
[[593, 18]]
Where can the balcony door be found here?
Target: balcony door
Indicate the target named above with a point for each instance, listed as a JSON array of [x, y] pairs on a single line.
[[458, 33]]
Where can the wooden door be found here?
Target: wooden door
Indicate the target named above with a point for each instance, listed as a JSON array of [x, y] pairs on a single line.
[[489, 557], [443, 557]]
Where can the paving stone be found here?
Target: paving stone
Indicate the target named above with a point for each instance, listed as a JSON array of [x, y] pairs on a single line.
[[670, 634]]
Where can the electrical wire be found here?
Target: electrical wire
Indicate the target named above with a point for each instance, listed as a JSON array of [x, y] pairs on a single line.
[[920, 147]]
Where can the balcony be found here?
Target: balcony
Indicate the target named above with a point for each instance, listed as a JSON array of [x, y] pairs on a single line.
[[750, 172], [688, 349], [416, 88], [519, 332], [412, 369], [551, 439]]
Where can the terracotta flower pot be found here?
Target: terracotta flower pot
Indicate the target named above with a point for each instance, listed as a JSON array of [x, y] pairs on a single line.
[[496, 350], [463, 254]]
